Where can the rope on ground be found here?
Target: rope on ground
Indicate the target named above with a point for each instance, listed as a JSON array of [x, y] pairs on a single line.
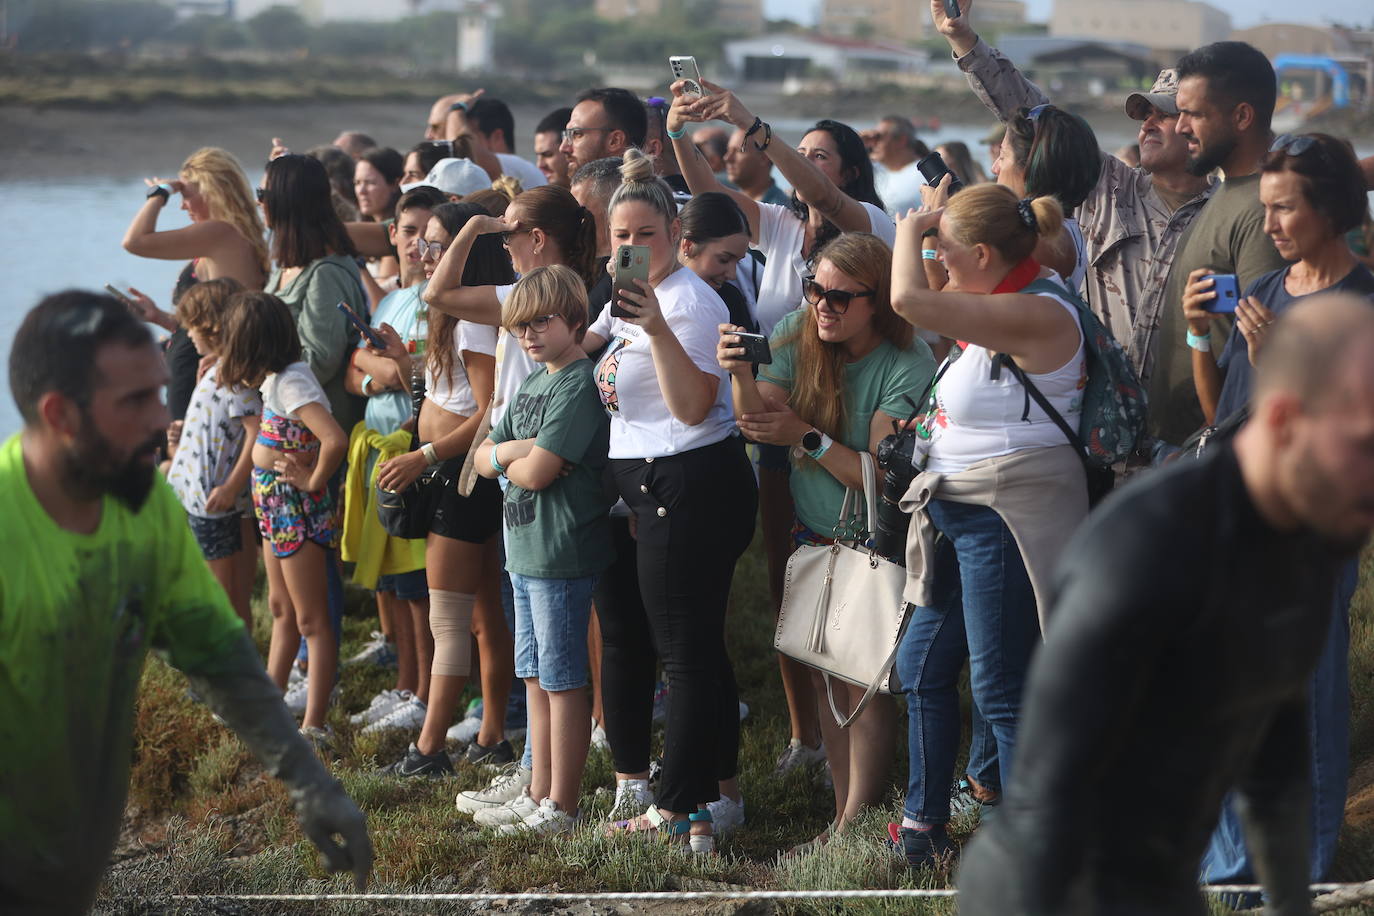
[[1334, 896]]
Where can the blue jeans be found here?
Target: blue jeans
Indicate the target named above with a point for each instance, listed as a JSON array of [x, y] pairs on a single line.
[[551, 618], [1226, 860], [984, 611]]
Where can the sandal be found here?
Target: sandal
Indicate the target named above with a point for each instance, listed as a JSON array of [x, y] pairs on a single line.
[[653, 822]]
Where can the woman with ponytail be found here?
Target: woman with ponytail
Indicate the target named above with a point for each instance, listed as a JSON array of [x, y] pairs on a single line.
[[680, 466], [996, 476]]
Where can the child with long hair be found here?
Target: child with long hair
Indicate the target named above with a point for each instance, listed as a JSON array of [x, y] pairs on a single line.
[[298, 447], [211, 464]]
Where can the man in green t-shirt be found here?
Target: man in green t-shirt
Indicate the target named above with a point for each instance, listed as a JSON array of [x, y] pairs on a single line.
[[97, 565]]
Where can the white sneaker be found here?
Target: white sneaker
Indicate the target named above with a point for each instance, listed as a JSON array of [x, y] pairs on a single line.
[[505, 787], [547, 818], [296, 676], [599, 741], [383, 703], [726, 814], [632, 796], [377, 651], [298, 693], [409, 714], [512, 812], [466, 731], [799, 755]]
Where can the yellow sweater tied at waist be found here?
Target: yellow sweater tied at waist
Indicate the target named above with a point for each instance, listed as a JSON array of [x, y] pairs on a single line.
[[365, 542]]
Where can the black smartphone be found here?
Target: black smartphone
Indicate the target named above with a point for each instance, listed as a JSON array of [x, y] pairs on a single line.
[[631, 263], [374, 339], [933, 169], [952, 9], [443, 146], [755, 346]]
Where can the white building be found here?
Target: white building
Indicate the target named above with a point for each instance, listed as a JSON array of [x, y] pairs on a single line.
[[782, 57]]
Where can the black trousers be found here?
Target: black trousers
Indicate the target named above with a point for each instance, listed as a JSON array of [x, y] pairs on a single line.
[[695, 517]]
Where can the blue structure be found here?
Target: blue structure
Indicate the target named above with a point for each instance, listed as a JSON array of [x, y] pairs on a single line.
[[1340, 80]]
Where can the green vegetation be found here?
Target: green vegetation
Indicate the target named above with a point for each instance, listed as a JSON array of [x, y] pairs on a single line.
[[209, 821]]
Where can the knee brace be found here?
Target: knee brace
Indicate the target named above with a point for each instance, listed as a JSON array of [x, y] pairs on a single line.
[[450, 620]]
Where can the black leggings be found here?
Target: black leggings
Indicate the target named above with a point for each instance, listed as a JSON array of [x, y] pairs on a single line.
[[694, 522]]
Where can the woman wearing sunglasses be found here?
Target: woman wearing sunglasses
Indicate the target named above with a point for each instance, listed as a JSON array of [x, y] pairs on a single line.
[[997, 479], [842, 369], [832, 178], [1313, 193], [461, 565]]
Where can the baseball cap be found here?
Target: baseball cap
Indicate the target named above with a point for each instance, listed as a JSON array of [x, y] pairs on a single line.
[[457, 176], [1162, 95]]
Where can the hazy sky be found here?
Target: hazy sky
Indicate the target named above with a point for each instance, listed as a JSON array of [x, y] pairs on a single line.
[[1244, 13]]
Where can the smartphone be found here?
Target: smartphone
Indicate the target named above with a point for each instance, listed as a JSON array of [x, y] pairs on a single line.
[[123, 295], [373, 338], [1228, 293], [933, 169], [952, 9], [685, 68], [444, 147], [631, 263], [755, 347]]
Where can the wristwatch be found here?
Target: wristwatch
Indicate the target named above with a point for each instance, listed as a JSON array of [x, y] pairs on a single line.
[[816, 443], [458, 106], [160, 190]]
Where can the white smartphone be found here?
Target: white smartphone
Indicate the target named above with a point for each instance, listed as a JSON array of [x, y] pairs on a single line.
[[685, 68]]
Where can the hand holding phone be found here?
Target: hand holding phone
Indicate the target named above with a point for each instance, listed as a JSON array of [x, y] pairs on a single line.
[[123, 295], [756, 349], [631, 263], [685, 68], [1228, 293], [374, 340]]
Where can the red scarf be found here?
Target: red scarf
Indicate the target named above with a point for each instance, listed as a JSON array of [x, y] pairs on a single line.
[[1017, 279]]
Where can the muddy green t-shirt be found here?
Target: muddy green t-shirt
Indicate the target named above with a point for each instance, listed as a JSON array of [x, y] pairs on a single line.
[[561, 531], [78, 613]]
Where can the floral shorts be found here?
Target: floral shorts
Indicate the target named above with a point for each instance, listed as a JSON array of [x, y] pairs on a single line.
[[288, 517]]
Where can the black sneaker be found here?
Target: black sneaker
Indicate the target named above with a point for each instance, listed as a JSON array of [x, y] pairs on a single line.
[[496, 755], [931, 848], [415, 763]]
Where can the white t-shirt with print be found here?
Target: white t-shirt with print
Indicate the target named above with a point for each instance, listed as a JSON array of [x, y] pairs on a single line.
[[211, 441], [780, 239], [641, 424]]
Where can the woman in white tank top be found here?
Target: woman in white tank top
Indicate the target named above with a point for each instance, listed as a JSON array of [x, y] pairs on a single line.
[[986, 440]]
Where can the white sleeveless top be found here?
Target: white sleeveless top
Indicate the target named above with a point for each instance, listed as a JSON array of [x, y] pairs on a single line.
[[453, 392], [980, 417]]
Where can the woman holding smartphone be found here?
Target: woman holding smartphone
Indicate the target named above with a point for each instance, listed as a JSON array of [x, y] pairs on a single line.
[[678, 463]]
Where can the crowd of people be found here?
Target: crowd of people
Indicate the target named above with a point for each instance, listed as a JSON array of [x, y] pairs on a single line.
[[516, 399]]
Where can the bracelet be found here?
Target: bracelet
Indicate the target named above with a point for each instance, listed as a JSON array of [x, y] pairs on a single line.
[[1200, 342], [431, 456], [929, 254], [458, 106], [674, 134], [367, 380], [754, 128], [496, 465], [160, 190], [767, 138]]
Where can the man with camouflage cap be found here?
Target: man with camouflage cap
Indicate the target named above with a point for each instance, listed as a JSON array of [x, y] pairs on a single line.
[[1134, 217]]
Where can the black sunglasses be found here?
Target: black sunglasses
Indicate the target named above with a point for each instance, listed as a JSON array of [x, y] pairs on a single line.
[[837, 299], [1293, 145]]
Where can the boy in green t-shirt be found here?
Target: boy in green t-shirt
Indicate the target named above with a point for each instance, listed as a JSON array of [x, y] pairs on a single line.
[[551, 446]]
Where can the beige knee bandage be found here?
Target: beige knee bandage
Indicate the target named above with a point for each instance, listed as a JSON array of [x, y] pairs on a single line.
[[450, 620]]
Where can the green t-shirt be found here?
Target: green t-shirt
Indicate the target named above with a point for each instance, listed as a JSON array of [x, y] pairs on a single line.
[[881, 381], [561, 531], [78, 613], [1227, 237]]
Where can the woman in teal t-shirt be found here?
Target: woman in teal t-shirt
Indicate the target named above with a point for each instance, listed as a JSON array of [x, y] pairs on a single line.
[[845, 341]]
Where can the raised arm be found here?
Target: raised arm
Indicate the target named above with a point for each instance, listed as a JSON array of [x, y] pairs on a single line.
[[445, 290], [196, 240], [993, 78], [809, 182], [700, 179]]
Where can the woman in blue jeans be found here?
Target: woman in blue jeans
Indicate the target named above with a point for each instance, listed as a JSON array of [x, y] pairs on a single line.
[[999, 481]]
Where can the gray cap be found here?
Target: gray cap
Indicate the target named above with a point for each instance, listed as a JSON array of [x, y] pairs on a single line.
[[1162, 95]]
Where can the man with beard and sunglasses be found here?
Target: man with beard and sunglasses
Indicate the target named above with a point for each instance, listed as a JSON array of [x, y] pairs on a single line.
[[1190, 611], [1226, 96], [97, 566]]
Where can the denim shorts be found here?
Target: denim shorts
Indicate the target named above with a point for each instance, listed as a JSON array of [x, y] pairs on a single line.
[[551, 617], [407, 586], [218, 537]]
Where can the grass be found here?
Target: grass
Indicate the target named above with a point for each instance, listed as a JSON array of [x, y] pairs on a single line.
[[204, 819]]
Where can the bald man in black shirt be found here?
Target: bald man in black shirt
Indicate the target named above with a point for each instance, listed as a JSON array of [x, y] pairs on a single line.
[[1190, 613]]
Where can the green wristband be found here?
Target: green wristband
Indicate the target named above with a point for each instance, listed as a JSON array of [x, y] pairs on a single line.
[[675, 134]]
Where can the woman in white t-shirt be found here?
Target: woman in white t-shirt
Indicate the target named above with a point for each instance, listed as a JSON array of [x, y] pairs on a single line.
[[680, 466], [833, 192], [461, 563], [999, 471]]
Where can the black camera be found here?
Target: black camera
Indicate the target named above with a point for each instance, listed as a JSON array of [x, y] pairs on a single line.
[[933, 169], [895, 453]]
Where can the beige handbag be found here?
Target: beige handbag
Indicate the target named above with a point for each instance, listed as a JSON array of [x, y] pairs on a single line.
[[842, 609]]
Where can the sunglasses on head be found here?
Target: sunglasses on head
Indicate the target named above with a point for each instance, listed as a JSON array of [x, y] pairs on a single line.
[[1293, 145], [836, 299]]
